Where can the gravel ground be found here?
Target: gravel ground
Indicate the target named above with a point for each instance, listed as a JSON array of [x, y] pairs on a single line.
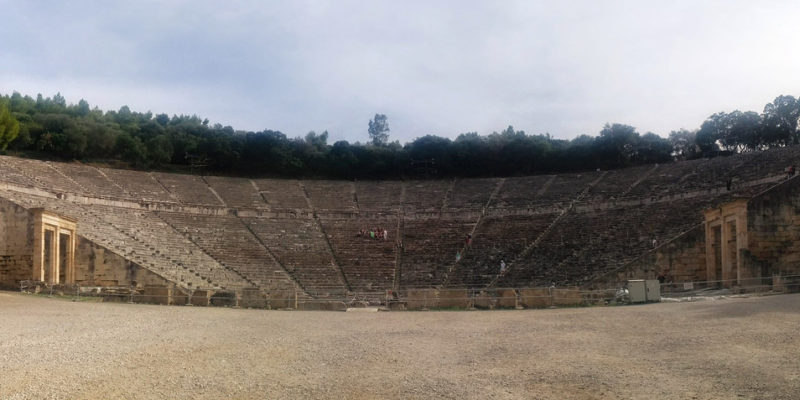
[[722, 349]]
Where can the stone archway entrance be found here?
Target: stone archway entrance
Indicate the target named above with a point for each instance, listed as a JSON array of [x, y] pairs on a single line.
[[53, 248], [726, 237]]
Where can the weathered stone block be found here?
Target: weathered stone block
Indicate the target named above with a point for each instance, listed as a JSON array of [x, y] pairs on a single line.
[[223, 299], [118, 295], [200, 298], [484, 300], [453, 298], [567, 297], [535, 298], [281, 299], [321, 305], [16, 245], [417, 299], [507, 298], [154, 295], [778, 284], [179, 297], [252, 298]]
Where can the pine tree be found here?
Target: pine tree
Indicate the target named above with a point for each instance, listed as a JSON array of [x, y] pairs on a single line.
[[379, 130]]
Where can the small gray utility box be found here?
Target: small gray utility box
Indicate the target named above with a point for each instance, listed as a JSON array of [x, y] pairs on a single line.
[[641, 291]]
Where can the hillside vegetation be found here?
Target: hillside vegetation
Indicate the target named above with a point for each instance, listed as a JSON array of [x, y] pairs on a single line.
[[49, 127]]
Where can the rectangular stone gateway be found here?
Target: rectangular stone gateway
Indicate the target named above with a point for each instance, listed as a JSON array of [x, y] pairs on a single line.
[[726, 237], [53, 248]]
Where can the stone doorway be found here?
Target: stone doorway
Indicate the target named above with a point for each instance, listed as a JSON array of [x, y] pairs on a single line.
[[726, 237], [54, 248]]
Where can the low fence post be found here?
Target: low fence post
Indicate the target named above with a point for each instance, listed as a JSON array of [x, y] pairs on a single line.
[[471, 298]]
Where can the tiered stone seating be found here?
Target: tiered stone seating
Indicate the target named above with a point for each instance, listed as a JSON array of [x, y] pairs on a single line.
[[142, 238], [521, 192], [330, 195], [668, 178], [429, 249], [42, 174], [206, 251], [632, 236], [751, 190], [426, 195], [188, 189], [282, 193], [28, 201], [10, 174], [379, 196], [573, 233], [754, 166], [565, 188], [725, 166], [622, 236], [571, 254], [91, 180], [140, 185], [300, 246], [216, 234], [496, 239], [757, 165], [236, 192], [368, 264], [705, 174], [157, 241], [470, 194], [676, 216], [715, 172], [618, 182]]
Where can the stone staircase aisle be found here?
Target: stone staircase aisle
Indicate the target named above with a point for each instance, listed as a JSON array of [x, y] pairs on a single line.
[[464, 249], [530, 248]]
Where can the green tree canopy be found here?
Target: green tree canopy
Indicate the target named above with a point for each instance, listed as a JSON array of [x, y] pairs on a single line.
[[9, 126], [379, 130], [52, 127], [780, 120]]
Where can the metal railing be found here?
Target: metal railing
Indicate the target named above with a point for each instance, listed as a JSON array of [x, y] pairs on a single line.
[[407, 298]]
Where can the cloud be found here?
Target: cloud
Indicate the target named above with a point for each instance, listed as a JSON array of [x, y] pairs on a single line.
[[433, 67]]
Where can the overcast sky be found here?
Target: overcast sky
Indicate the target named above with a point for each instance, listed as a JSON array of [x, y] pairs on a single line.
[[433, 67]]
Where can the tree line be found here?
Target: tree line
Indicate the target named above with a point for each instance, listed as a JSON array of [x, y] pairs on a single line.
[[49, 127]]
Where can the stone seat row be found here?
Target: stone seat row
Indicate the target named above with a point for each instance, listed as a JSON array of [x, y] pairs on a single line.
[[638, 182], [196, 248]]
